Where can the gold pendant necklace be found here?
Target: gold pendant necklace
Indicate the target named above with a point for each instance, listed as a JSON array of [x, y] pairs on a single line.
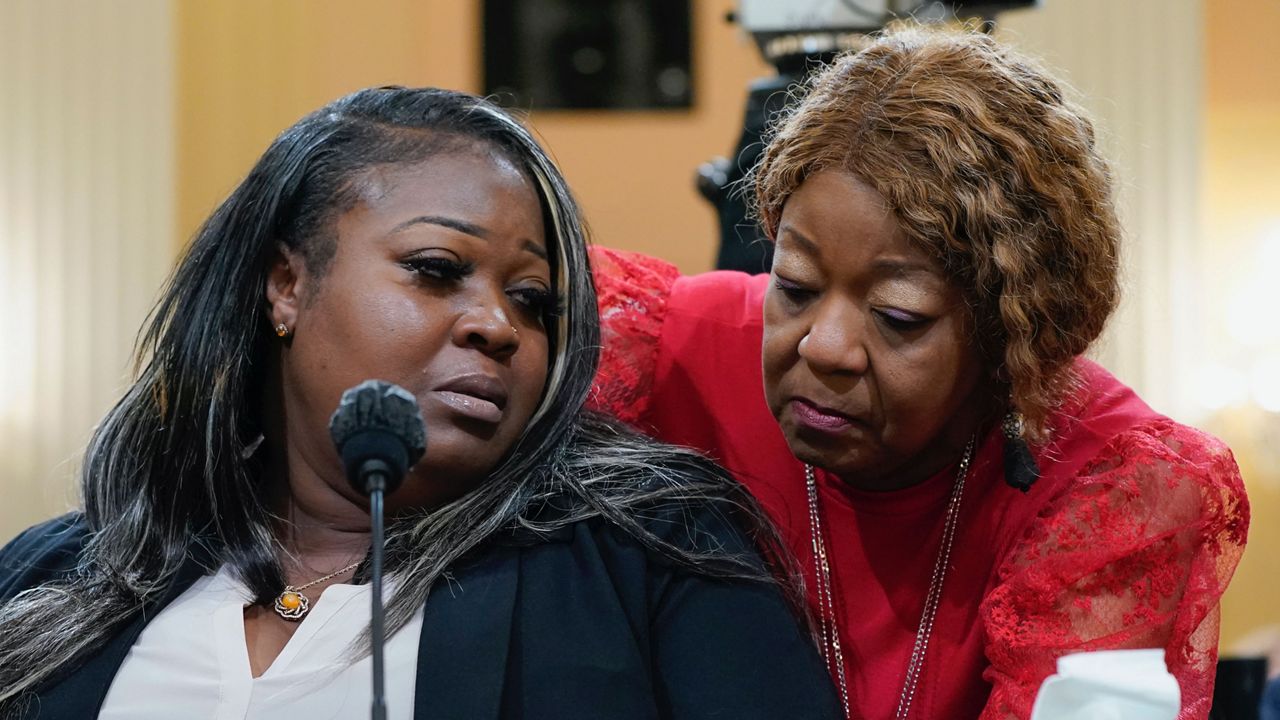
[[831, 650], [291, 604]]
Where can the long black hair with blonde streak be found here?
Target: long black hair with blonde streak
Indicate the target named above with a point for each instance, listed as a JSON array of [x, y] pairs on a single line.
[[173, 468]]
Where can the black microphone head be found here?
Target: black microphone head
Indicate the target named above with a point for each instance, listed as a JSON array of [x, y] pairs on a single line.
[[378, 426]]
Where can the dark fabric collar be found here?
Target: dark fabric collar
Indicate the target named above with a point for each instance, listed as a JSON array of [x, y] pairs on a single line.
[[466, 633], [79, 691]]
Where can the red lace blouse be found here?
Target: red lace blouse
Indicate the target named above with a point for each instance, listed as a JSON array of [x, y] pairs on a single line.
[[1127, 540]]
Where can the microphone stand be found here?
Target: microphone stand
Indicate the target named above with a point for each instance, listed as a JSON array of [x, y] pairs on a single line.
[[378, 431], [374, 475]]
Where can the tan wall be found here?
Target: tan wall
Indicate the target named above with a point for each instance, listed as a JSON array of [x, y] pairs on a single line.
[[1241, 198], [248, 69]]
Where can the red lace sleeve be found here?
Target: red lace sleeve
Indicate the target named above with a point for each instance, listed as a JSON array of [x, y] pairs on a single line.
[[1135, 552], [633, 291]]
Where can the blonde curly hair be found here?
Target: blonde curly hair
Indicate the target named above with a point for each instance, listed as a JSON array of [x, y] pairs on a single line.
[[987, 167]]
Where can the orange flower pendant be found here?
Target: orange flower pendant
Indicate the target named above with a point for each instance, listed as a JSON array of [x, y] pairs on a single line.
[[291, 604]]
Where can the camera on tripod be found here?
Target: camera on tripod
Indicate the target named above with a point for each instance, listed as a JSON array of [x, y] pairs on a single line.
[[796, 36]]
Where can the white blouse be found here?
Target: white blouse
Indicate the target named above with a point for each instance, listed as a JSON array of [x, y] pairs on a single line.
[[192, 661]]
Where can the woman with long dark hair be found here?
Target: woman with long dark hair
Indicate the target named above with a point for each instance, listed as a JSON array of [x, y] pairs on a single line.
[[542, 562]]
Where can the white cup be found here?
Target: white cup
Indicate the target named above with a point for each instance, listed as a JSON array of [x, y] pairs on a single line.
[[1109, 685]]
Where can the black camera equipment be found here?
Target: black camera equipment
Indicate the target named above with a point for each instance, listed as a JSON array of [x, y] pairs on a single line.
[[796, 36]]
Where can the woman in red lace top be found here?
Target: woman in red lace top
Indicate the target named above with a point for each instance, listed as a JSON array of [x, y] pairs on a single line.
[[969, 498]]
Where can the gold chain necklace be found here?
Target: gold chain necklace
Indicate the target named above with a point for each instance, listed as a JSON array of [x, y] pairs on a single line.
[[291, 604], [830, 632]]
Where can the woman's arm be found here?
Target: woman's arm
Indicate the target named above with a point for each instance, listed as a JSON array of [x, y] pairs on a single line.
[[1135, 553], [633, 291], [681, 361]]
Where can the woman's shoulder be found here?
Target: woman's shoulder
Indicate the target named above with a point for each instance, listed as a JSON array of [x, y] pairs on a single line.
[[1163, 449], [1117, 469], [1111, 433], [639, 491], [42, 553], [645, 544], [1120, 473], [1157, 477]]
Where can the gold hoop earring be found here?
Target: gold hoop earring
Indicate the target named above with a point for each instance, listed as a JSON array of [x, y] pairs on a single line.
[[282, 330]]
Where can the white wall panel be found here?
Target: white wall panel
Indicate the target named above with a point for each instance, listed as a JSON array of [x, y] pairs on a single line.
[[86, 218], [1138, 67]]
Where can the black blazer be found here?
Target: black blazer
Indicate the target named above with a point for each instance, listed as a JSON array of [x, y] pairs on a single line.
[[584, 623]]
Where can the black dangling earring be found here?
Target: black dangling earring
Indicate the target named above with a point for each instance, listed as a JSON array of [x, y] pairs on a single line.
[[1020, 469]]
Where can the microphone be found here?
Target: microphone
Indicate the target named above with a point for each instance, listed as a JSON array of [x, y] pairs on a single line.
[[379, 434]]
